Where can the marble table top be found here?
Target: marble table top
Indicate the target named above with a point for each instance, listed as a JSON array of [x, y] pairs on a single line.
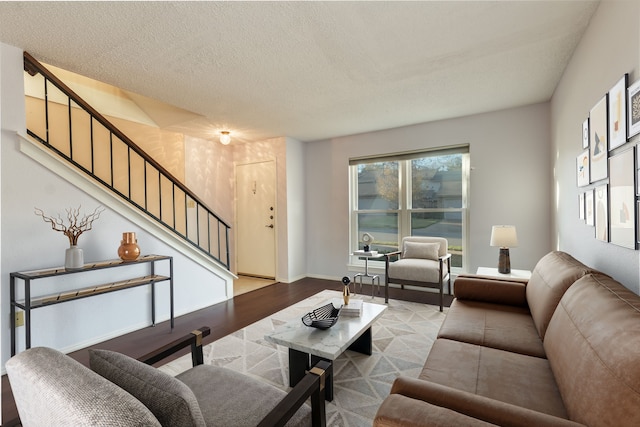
[[326, 343]]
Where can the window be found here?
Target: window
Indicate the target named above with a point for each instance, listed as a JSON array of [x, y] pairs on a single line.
[[413, 194]]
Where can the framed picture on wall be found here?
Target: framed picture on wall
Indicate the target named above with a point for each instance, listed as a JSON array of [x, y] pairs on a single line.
[[638, 173], [622, 203], [618, 113], [585, 133], [633, 108], [581, 206], [601, 210], [582, 168], [598, 139], [588, 208]]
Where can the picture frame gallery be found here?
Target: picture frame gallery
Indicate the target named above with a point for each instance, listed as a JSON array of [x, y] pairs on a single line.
[[608, 166]]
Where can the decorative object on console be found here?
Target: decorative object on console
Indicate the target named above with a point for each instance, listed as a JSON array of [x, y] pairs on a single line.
[[346, 293], [129, 249], [74, 258], [505, 237], [367, 239]]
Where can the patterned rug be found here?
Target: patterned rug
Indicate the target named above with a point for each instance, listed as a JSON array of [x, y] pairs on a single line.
[[402, 338]]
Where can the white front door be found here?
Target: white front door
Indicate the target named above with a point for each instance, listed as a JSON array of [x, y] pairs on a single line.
[[256, 219]]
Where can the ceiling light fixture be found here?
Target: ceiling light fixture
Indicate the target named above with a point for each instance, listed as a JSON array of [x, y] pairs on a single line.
[[225, 138]]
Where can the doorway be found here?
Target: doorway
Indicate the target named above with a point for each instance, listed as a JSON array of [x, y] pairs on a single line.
[[256, 219]]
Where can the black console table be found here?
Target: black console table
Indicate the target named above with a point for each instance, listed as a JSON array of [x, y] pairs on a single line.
[[30, 303]]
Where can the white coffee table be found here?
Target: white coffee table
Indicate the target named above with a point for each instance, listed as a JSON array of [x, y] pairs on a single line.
[[307, 345]]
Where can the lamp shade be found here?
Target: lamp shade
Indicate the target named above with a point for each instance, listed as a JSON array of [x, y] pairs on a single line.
[[504, 236]]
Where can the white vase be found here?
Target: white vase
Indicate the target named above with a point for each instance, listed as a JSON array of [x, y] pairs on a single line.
[[73, 258]]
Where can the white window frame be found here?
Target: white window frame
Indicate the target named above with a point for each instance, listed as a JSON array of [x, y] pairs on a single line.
[[404, 211]]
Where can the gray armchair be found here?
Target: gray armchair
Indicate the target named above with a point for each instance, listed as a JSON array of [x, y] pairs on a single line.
[[421, 261], [51, 388]]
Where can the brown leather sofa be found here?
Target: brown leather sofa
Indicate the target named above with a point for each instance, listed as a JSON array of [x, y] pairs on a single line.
[[562, 349]]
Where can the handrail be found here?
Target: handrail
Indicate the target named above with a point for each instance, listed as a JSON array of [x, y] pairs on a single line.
[[33, 67]]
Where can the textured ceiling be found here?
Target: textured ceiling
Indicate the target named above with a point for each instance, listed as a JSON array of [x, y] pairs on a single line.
[[308, 70]]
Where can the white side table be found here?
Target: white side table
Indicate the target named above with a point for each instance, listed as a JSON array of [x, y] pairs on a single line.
[[367, 256], [493, 272]]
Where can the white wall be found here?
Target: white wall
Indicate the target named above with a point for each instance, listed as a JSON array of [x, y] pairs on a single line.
[[296, 215], [609, 48], [28, 243], [510, 181]]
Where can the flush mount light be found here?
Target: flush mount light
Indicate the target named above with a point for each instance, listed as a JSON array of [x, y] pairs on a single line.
[[225, 138]]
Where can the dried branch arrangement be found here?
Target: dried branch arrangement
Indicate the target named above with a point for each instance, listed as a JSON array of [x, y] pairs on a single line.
[[76, 225]]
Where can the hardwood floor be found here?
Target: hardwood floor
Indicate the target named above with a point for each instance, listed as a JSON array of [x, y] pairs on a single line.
[[223, 319]]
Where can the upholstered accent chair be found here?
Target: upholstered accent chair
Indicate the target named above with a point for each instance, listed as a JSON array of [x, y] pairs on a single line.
[[51, 388], [421, 261]]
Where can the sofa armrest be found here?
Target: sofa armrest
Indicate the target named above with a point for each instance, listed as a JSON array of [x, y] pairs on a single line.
[[491, 290], [475, 406]]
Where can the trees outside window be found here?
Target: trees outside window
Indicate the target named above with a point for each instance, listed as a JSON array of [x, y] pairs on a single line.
[[416, 194]]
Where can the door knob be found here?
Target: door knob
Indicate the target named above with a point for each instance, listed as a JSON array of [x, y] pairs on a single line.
[[270, 225]]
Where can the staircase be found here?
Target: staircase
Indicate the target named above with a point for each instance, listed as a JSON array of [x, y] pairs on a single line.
[[64, 124]]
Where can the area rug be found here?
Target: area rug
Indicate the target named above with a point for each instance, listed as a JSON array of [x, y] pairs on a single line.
[[402, 338]]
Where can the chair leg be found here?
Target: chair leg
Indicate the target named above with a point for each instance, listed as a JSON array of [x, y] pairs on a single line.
[[386, 290]]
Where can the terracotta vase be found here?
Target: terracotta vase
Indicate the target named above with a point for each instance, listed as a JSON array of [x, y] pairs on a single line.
[[129, 249]]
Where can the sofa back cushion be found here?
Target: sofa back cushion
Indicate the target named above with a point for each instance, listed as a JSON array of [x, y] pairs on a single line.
[[550, 279], [593, 347], [169, 399]]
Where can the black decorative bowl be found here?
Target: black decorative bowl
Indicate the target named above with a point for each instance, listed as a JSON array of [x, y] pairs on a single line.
[[323, 317]]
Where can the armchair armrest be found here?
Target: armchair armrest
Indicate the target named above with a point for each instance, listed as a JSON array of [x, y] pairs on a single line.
[[491, 290], [480, 407], [193, 339], [389, 255], [311, 385]]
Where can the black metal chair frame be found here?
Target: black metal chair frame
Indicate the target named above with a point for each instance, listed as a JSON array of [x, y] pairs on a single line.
[[437, 285], [311, 386]]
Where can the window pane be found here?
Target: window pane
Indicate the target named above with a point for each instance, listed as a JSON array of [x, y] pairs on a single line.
[[441, 224], [378, 186], [436, 182], [384, 229]]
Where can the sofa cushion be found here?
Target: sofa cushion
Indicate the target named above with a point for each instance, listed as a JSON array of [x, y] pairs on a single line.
[[593, 346], [238, 400], [421, 270], [421, 250], [498, 326], [170, 400], [512, 378], [550, 279]]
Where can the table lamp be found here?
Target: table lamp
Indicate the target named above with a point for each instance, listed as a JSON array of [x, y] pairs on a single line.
[[505, 237]]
